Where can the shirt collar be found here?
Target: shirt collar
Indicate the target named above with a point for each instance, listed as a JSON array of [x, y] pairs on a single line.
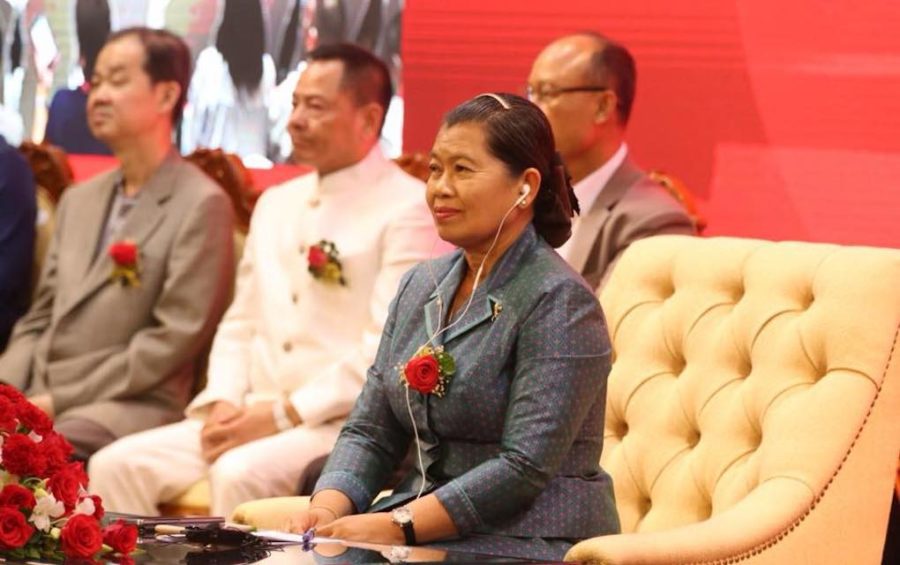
[[364, 171], [588, 189]]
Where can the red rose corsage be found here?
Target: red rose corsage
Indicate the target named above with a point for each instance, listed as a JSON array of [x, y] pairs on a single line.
[[429, 371], [126, 263], [324, 263]]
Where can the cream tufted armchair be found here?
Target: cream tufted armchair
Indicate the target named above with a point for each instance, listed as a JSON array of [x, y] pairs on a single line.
[[753, 409]]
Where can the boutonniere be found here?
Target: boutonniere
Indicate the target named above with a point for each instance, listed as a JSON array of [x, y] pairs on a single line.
[[324, 263], [429, 371], [126, 267]]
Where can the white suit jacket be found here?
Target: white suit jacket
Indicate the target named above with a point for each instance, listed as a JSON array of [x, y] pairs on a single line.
[[287, 333]]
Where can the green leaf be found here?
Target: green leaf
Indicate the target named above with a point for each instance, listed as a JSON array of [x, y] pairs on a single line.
[[447, 363]]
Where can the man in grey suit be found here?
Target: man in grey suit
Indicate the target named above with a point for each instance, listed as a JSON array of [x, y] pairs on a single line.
[[110, 344], [585, 84]]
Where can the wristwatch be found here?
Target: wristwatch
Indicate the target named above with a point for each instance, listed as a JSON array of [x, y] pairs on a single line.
[[402, 516]]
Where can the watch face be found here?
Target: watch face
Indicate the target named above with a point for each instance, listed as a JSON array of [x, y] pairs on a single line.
[[401, 515]]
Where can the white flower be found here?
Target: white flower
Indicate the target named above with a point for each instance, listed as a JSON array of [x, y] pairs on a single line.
[[85, 506], [47, 507], [36, 438]]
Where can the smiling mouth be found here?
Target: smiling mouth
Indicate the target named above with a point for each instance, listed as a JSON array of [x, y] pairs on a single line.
[[442, 213]]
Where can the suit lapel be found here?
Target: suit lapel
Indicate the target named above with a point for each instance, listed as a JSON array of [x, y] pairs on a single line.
[[142, 220], [486, 301], [92, 215], [591, 224], [441, 298]]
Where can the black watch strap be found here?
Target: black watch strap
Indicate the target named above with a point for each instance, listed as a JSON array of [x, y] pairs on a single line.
[[409, 533]]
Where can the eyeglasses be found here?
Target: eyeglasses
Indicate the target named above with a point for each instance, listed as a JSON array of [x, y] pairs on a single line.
[[549, 92]]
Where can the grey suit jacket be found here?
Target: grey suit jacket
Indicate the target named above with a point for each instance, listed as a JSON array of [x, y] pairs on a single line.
[[125, 357], [513, 447], [630, 207]]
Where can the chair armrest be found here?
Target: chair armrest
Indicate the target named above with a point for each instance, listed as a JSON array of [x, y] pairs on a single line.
[[761, 517], [269, 513], [274, 513]]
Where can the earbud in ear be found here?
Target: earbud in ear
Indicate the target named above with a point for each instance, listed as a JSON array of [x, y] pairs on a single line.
[[523, 195]]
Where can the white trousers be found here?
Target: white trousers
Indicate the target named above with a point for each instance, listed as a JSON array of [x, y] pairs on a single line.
[[137, 472]]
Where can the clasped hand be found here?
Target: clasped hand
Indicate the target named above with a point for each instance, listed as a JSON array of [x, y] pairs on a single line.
[[228, 426], [373, 528]]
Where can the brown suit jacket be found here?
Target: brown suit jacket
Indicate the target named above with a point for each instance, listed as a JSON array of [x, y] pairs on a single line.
[[630, 207], [125, 356]]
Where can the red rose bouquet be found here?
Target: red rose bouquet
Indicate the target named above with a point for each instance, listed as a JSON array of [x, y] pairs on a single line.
[[45, 509], [126, 266], [429, 371]]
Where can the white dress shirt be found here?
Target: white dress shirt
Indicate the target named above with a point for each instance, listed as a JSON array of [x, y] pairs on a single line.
[[587, 190], [290, 334]]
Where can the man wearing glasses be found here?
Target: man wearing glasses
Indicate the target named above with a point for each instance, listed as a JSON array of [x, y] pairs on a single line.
[[585, 84]]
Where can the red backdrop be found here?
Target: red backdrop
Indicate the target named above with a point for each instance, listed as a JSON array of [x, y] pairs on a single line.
[[783, 117]]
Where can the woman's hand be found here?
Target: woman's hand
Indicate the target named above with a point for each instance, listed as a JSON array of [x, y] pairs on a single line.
[[372, 528], [313, 517]]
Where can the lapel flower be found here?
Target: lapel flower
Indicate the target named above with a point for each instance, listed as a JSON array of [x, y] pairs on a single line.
[[324, 263], [429, 371], [126, 268]]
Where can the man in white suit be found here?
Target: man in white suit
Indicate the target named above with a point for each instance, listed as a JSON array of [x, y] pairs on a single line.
[[323, 258]]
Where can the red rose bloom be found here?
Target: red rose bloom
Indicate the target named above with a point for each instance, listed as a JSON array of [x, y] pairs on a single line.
[[316, 257], [8, 421], [124, 253], [57, 450], [14, 529], [81, 537], [12, 394], [121, 537], [35, 419], [17, 496], [99, 511], [23, 457], [422, 373], [66, 484]]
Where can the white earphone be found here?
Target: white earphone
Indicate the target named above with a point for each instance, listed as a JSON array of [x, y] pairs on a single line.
[[523, 195]]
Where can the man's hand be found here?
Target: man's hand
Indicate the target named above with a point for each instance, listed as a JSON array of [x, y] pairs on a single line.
[[44, 402], [235, 429], [220, 412]]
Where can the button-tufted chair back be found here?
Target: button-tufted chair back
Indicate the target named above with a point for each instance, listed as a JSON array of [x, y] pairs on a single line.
[[753, 406]]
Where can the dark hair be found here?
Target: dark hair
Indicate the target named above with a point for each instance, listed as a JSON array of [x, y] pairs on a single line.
[[288, 44], [166, 58], [612, 63], [241, 41], [365, 75], [521, 137], [92, 28]]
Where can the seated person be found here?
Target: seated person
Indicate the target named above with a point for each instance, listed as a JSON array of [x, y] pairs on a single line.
[[17, 233], [140, 267], [323, 258], [67, 125], [493, 364], [585, 84]]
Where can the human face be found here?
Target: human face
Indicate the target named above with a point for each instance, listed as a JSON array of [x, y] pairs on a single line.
[[123, 103], [469, 190], [328, 130], [572, 114]]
